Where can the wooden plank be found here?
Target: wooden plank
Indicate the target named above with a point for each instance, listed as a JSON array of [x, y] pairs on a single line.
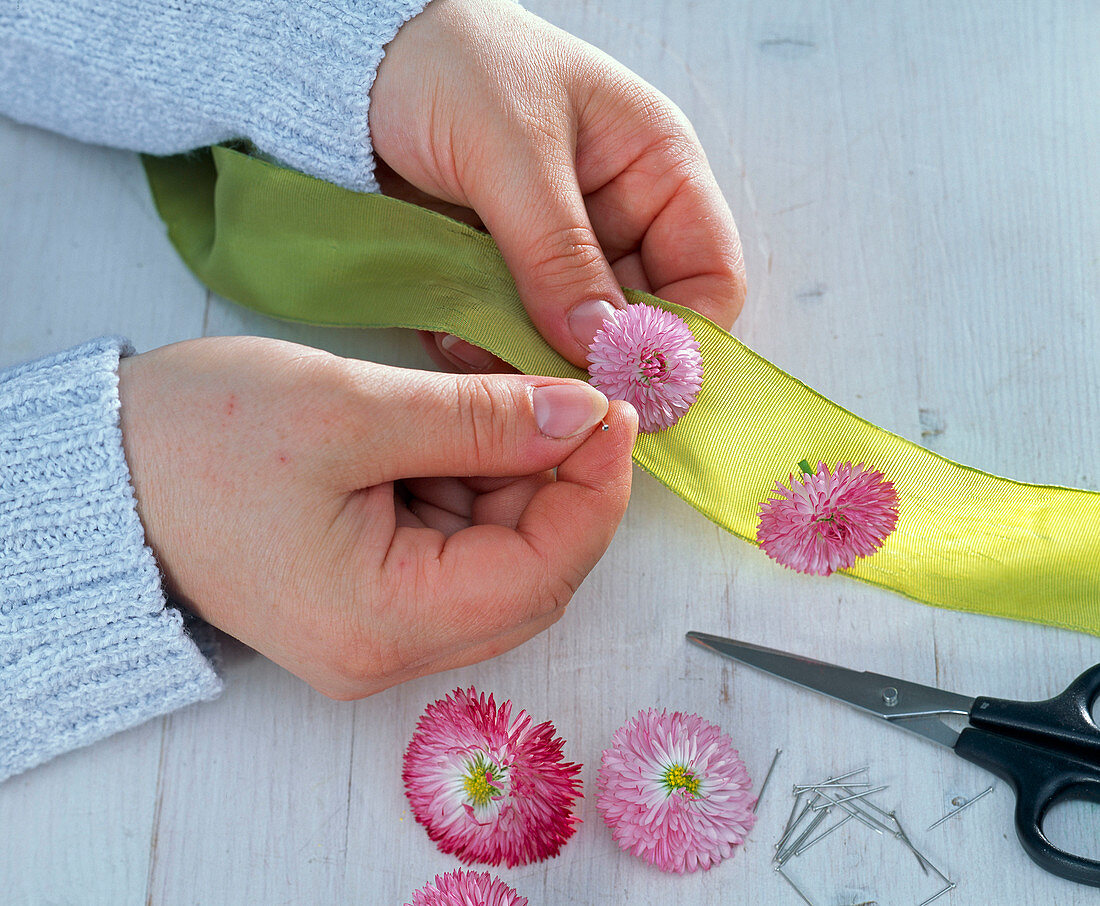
[[917, 193]]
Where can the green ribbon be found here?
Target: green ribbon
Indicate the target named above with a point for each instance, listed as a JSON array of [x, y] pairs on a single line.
[[298, 248]]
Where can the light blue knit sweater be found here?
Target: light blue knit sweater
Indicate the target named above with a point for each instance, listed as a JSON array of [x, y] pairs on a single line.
[[88, 645]]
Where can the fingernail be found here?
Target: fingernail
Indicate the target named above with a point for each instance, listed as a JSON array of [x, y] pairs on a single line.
[[587, 318], [472, 356], [565, 410]]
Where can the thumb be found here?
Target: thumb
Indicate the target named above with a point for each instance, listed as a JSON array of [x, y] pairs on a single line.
[[538, 218], [417, 424]]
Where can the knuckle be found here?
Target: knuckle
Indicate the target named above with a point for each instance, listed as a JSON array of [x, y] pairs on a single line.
[[563, 257], [484, 406], [554, 595]]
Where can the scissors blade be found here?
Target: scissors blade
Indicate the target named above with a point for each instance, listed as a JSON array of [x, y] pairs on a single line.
[[902, 703]]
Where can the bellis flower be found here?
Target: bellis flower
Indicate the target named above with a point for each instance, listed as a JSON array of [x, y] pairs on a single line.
[[467, 888], [674, 791], [489, 788], [648, 357], [825, 520]]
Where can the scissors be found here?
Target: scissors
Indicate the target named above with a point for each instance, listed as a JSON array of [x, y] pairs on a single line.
[[1048, 751]]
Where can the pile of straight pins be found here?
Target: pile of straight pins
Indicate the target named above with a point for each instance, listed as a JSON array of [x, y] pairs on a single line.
[[846, 797]]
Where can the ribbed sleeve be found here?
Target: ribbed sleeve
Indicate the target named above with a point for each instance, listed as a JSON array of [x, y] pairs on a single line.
[[164, 76], [88, 646]]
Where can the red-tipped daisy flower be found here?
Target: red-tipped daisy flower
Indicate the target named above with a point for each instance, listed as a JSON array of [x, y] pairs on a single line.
[[674, 791], [467, 888], [648, 357], [824, 520], [489, 788]]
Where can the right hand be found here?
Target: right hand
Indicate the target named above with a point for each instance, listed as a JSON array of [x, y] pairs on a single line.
[[587, 177], [361, 524]]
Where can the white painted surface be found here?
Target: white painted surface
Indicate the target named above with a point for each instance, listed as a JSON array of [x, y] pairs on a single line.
[[918, 188]]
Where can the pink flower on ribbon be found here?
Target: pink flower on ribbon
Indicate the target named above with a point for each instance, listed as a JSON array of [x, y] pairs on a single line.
[[489, 788], [824, 520], [674, 791], [648, 357], [467, 888]]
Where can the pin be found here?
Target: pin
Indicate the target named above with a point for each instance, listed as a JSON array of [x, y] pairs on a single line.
[[824, 833], [952, 814], [792, 825], [868, 802], [833, 780], [877, 826], [904, 837], [791, 850], [877, 789], [787, 878], [767, 777], [950, 886], [790, 817], [804, 787], [604, 426]]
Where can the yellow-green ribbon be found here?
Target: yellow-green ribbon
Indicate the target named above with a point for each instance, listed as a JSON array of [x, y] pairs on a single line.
[[298, 248]]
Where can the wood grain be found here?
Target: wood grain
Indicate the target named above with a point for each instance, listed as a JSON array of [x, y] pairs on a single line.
[[917, 188]]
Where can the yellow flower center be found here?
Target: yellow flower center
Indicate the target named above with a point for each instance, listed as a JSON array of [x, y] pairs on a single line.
[[677, 777], [480, 782]]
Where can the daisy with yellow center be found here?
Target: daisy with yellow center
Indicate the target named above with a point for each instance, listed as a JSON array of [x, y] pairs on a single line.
[[674, 791], [488, 787]]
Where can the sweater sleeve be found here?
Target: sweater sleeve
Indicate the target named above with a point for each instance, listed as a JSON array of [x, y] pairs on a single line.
[[165, 76], [88, 646]]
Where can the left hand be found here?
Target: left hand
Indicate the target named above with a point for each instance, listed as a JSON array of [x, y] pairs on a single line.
[[586, 177], [362, 525]]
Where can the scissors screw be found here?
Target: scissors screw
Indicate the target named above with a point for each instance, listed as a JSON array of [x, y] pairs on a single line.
[[889, 696]]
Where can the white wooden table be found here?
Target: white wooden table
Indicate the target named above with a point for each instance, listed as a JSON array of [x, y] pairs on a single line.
[[918, 187]]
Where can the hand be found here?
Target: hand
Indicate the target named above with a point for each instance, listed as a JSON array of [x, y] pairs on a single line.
[[324, 510], [586, 176]]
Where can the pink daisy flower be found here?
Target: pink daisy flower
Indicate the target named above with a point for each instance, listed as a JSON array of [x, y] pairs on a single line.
[[648, 357], [489, 788], [824, 520], [467, 888], [674, 791]]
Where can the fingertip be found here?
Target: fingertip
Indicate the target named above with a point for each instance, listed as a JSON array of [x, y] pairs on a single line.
[[465, 355], [602, 464], [586, 318], [625, 414]]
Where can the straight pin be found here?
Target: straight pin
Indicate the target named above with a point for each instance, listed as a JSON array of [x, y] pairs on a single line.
[[904, 837], [790, 819], [877, 826], [943, 877], [791, 827], [767, 777], [824, 833], [877, 789], [869, 803], [805, 898], [790, 850], [950, 886], [968, 802], [845, 776]]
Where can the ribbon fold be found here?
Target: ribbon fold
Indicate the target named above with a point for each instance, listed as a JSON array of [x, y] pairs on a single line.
[[301, 249]]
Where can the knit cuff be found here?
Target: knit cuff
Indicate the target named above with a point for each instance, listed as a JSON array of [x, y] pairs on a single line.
[[314, 78], [291, 76], [87, 644]]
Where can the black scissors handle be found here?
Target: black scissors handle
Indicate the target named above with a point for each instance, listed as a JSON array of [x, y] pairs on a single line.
[[1048, 752]]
